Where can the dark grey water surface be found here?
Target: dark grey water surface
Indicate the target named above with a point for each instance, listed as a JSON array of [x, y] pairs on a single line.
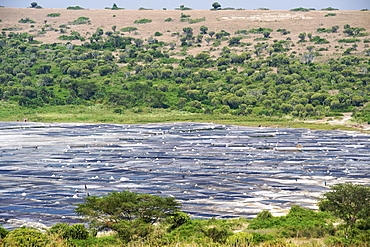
[[213, 170]]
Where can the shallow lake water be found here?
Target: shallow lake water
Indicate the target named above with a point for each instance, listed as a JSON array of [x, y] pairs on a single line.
[[220, 171]]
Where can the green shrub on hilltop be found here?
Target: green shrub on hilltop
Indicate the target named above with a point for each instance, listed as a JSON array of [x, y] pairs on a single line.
[[300, 9], [74, 7]]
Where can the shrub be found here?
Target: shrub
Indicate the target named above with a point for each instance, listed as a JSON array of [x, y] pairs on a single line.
[[53, 15], [182, 7], [300, 9], [192, 21], [3, 232], [330, 14], [24, 237], [129, 29], [69, 37], [240, 239], [65, 231], [158, 34], [319, 40], [168, 20], [74, 7], [177, 219], [143, 21], [283, 31], [349, 40], [218, 233], [330, 9], [80, 20], [324, 30], [26, 20]]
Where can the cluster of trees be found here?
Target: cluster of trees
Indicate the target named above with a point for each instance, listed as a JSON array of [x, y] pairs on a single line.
[[264, 79], [146, 220]]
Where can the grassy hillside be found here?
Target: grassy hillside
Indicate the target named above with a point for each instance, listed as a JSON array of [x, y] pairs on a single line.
[[241, 66]]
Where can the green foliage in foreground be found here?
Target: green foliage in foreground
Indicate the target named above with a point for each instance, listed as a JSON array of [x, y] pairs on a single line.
[[265, 230], [298, 222], [350, 202], [132, 216], [105, 212]]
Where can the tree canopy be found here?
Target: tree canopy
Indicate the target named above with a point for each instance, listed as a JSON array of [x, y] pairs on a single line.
[[216, 5], [126, 206], [350, 202]]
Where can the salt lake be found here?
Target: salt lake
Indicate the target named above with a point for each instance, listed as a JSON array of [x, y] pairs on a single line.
[[221, 171]]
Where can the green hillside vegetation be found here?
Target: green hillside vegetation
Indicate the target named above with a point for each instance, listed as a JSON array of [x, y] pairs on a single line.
[[146, 220], [128, 74]]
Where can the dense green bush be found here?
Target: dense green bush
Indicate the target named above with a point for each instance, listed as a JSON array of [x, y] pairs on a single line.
[[129, 29], [330, 9], [298, 222], [300, 9], [141, 21], [349, 40], [26, 20], [66, 231], [74, 7], [3, 232], [53, 15], [25, 237], [80, 20]]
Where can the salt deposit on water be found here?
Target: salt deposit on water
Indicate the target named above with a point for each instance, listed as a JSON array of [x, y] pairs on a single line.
[[214, 170]]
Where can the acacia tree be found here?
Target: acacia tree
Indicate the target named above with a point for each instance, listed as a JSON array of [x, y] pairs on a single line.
[[109, 210], [216, 5], [350, 202]]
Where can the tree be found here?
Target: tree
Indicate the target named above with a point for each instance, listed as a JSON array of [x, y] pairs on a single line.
[[302, 36], [203, 29], [350, 202], [216, 5], [188, 30], [34, 5], [126, 206]]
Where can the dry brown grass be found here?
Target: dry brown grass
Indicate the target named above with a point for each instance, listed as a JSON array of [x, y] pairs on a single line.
[[228, 20]]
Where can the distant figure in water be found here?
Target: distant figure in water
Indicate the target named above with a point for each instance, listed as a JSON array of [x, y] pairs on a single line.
[[325, 183], [296, 179]]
